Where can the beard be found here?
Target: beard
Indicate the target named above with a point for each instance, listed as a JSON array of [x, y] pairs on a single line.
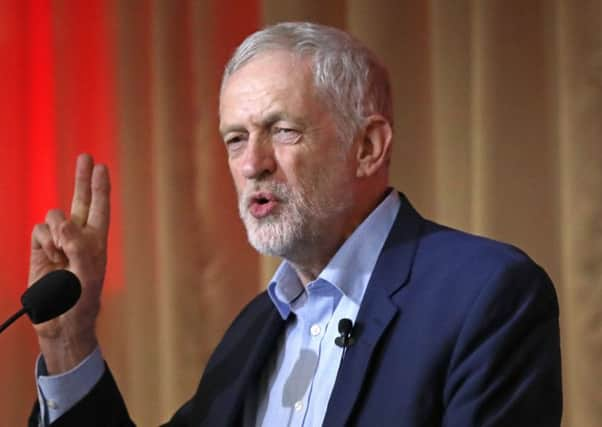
[[303, 215]]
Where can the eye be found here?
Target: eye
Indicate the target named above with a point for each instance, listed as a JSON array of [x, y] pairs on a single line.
[[285, 135], [234, 142]]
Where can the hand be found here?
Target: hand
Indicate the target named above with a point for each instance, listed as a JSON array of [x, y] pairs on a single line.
[[79, 244]]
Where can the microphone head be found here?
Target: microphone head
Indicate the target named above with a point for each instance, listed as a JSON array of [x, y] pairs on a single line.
[[51, 296], [345, 326]]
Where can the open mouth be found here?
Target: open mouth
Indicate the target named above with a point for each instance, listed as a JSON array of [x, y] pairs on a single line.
[[262, 204]]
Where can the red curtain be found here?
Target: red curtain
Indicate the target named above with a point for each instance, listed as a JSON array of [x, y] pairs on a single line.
[[70, 70], [57, 84]]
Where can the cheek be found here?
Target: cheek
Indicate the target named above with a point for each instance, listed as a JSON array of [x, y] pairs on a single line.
[[293, 167], [312, 165]]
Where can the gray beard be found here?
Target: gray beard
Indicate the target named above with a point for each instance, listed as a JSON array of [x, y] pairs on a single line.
[[278, 236], [295, 229]]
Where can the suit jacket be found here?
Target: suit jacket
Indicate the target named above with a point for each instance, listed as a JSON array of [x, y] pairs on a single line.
[[454, 330]]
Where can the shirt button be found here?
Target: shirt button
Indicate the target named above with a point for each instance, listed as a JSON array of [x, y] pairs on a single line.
[[298, 406], [52, 404], [315, 330]]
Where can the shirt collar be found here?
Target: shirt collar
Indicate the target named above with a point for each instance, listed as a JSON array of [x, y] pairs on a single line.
[[351, 267]]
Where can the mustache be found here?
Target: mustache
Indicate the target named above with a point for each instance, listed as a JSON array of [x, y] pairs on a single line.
[[279, 190]]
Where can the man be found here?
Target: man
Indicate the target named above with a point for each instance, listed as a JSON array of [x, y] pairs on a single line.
[[448, 329]]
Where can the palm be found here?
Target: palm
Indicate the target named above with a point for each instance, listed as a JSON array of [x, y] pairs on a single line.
[[77, 244]]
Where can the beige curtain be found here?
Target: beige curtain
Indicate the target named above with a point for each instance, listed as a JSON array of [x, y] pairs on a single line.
[[498, 132]]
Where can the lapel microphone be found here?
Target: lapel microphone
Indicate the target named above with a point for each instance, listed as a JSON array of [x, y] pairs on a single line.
[[345, 340]]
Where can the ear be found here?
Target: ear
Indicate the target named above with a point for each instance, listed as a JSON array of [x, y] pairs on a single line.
[[374, 147]]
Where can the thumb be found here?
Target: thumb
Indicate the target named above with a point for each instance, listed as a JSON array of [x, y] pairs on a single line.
[[70, 239]]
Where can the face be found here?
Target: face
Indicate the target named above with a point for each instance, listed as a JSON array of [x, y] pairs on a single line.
[[292, 174]]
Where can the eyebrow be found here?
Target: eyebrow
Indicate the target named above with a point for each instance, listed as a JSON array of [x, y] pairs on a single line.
[[267, 121], [232, 128]]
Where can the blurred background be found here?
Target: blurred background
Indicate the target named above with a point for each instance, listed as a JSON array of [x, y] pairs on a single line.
[[498, 132]]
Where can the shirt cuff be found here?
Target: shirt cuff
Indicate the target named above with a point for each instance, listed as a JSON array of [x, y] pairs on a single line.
[[59, 393]]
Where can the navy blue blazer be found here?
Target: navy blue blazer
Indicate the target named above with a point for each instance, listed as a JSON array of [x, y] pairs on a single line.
[[454, 330]]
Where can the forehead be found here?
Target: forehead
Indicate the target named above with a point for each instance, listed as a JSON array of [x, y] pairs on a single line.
[[273, 80], [277, 59]]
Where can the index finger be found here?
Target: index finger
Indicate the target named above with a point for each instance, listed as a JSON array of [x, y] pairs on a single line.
[[82, 193], [100, 212]]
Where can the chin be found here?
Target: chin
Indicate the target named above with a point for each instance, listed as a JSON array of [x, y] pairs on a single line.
[[273, 239], [269, 245]]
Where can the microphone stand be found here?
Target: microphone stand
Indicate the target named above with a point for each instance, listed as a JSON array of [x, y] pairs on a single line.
[[12, 318]]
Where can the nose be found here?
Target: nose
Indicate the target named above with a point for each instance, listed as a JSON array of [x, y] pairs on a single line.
[[258, 160]]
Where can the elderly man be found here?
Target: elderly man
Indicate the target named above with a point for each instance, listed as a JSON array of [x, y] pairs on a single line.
[[437, 327]]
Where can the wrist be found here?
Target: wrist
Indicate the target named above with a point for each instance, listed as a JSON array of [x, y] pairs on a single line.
[[63, 353]]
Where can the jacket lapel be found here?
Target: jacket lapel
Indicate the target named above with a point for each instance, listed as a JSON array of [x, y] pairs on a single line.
[[238, 365], [376, 312]]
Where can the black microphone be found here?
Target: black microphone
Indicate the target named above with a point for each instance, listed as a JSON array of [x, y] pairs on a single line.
[[345, 339], [49, 297]]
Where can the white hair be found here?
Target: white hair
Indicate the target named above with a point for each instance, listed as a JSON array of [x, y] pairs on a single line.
[[347, 75]]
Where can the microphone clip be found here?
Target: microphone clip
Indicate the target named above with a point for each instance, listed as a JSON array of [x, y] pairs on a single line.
[[345, 339]]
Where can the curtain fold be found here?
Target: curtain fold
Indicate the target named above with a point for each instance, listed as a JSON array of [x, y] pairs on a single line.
[[497, 131], [579, 107]]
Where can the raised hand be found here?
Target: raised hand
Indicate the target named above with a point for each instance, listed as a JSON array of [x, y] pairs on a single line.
[[79, 244]]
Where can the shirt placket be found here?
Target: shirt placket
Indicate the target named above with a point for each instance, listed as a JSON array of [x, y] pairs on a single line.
[[315, 317]]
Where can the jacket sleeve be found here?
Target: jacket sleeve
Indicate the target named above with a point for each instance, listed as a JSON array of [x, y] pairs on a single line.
[[505, 368], [103, 406]]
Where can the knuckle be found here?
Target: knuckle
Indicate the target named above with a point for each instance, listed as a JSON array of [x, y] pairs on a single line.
[[39, 230], [48, 245], [53, 215], [65, 227]]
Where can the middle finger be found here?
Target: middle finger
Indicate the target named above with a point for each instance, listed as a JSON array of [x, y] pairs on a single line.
[[82, 193]]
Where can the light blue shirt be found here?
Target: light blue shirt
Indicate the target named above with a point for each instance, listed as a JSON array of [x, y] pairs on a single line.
[[59, 393], [297, 383]]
